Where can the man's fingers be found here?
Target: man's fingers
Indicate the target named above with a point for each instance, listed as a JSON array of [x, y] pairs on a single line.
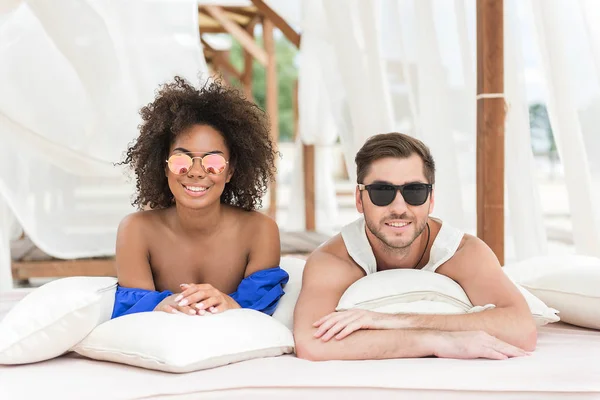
[[338, 327], [508, 349], [325, 318], [493, 354], [331, 321], [351, 327]]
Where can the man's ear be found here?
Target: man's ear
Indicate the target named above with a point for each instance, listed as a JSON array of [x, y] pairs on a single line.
[[431, 200], [358, 198]]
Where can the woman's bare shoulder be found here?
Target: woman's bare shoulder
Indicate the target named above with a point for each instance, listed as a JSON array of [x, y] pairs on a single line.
[[139, 221]]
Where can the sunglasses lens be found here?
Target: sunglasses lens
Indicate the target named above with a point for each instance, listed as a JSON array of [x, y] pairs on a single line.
[[214, 164], [415, 194], [382, 195], [180, 163]]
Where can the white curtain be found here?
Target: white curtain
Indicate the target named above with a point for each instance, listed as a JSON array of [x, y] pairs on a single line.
[[525, 217], [557, 35], [319, 106], [74, 74], [410, 65]]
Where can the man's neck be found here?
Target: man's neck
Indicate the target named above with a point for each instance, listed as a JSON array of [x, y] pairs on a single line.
[[396, 258], [203, 222]]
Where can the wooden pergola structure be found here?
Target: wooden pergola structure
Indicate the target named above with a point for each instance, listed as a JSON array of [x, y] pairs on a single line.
[[240, 22]]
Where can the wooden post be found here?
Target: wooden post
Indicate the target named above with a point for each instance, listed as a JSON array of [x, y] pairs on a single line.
[[271, 100], [308, 158], [490, 125], [308, 161], [248, 61]]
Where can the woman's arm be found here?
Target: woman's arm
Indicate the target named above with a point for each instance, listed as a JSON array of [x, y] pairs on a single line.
[[132, 254], [265, 250], [136, 291]]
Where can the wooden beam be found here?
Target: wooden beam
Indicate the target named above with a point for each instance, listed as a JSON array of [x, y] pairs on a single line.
[[221, 60], [238, 33], [280, 23], [490, 125], [271, 100], [63, 268], [240, 11]]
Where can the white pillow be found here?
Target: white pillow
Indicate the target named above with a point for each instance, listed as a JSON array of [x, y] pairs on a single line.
[[181, 343], [284, 312], [569, 283], [54, 317], [402, 291]]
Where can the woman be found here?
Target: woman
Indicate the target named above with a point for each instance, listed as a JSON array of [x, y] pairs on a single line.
[[203, 161]]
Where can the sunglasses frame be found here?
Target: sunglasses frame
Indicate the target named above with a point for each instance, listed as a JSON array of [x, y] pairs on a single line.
[[201, 162], [399, 188]]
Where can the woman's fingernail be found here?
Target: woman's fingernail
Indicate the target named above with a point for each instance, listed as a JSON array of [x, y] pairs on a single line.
[[200, 306], [192, 311], [201, 312], [183, 302], [178, 298], [213, 310]]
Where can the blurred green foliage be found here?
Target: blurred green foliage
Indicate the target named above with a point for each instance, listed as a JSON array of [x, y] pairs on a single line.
[[287, 73]]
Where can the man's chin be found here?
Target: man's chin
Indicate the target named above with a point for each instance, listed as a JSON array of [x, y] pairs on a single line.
[[395, 242]]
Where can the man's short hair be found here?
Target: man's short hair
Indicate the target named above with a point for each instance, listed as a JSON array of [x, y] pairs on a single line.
[[396, 145]]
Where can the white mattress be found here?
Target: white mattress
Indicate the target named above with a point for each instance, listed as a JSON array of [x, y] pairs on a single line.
[[566, 364]]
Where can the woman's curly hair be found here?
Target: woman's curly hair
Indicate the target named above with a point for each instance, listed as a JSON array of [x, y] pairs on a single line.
[[177, 106]]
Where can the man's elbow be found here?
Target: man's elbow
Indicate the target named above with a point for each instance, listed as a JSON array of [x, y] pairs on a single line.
[[306, 350], [311, 349], [527, 337]]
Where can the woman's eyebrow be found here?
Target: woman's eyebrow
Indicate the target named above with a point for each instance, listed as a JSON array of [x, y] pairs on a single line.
[[183, 150]]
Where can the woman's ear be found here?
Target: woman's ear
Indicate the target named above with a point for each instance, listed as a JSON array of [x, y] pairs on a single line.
[[230, 172]]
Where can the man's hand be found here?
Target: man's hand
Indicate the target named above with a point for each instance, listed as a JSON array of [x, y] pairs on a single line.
[[343, 323], [205, 298], [473, 344]]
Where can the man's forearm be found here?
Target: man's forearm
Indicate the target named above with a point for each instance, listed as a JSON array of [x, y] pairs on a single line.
[[370, 345], [504, 323]]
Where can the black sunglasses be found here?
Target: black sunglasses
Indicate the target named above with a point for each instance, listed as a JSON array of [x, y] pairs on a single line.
[[382, 194]]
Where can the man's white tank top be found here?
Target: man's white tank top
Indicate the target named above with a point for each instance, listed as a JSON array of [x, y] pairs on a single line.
[[358, 246]]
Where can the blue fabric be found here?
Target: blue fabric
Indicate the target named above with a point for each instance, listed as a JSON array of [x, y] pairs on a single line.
[[262, 290], [259, 291], [131, 301]]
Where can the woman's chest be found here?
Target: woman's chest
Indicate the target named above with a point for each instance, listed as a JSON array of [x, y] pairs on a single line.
[[220, 261]]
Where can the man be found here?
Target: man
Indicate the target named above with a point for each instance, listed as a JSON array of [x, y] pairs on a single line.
[[397, 232]]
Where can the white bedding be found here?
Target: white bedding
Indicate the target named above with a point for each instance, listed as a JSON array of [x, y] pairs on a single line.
[[565, 365]]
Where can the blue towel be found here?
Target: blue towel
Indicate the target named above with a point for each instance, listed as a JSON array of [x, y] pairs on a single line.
[[132, 300], [260, 291]]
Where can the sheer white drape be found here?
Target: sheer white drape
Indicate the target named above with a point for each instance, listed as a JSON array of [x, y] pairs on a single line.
[[319, 106], [73, 75], [416, 74], [523, 198], [555, 35]]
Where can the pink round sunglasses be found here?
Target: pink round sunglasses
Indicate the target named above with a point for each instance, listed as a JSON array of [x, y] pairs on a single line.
[[181, 163]]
